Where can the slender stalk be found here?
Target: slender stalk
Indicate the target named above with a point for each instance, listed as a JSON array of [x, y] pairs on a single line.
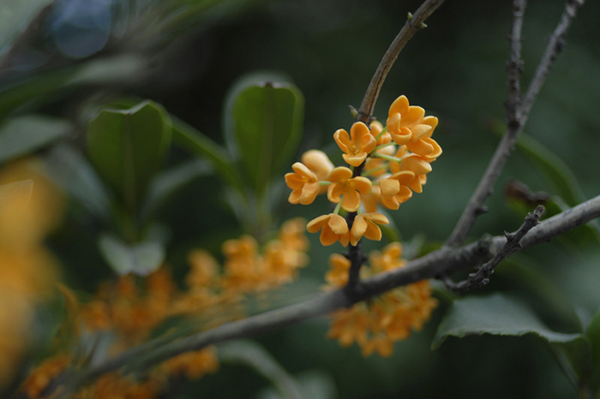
[[412, 25]]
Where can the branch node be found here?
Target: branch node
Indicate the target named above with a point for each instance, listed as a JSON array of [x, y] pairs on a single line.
[[481, 210]]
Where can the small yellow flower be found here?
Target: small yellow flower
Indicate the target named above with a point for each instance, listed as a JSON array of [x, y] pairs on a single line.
[[358, 145], [344, 185], [371, 200], [204, 268], [390, 258], [421, 142], [293, 235], [376, 129], [375, 325], [394, 189], [405, 122], [338, 273], [304, 184], [365, 225], [333, 228], [318, 163]]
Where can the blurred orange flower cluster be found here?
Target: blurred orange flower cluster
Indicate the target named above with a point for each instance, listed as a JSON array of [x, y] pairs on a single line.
[[130, 310], [377, 323], [30, 207], [396, 160]]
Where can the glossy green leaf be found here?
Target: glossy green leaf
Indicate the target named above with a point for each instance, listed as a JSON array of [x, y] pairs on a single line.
[[29, 133], [520, 268], [127, 147], [264, 126], [499, 314], [496, 314]]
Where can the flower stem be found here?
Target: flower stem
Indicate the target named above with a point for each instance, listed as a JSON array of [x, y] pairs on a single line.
[[384, 131], [387, 157]]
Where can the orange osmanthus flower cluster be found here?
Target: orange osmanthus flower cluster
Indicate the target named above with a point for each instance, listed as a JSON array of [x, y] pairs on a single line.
[[128, 311], [376, 324], [396, 160], [386, 166]]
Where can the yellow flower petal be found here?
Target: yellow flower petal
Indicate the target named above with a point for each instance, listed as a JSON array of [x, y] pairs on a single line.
[[416, 164], [316, 224], [399, 106], [354, 160], [362, 184], [351, 200], [359, 226], [389, 187], [342, 139], [339, 175], [318, 162], [413, 117], [420, 131], [338, 224]]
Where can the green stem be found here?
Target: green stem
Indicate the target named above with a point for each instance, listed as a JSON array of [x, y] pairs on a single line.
[[384, 131], [388, 157], [370, 172], [336, 211], [384, 145]]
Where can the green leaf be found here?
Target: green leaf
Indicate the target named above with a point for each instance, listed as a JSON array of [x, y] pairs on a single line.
[[263, 125], [313, 384], [499, 314], [520, 268], [168, 181], [127, 147], [550, 164], [77, 177], [593, 334], [187, 137], [141, 258], [253, 355], [553, 167], [38, 89], [27, 134], [496, 314]]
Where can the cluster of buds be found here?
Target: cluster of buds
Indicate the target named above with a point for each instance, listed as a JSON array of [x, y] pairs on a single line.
[[386, 165]]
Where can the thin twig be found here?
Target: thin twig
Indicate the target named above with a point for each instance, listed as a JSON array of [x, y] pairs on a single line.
[[517, 117], [556, 43], [485, 188], [412, 25], [513, 244], [440, 262]]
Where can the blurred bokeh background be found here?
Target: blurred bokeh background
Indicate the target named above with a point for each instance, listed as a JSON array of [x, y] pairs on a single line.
[[70, 55]]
